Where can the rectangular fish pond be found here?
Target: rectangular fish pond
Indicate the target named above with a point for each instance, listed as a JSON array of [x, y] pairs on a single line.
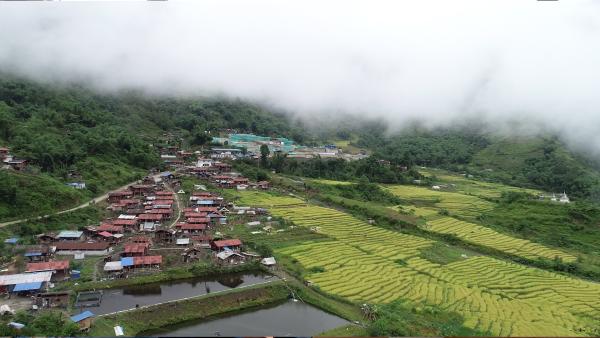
[[291, 318]]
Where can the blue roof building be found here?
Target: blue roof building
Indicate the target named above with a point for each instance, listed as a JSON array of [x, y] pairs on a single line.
[[84, 315]]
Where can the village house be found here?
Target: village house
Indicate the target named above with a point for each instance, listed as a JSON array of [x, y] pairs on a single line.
[[165, 213], [227, 244], [60, 269], [52, 299], [220, 153], [24, 282], [204, 172], [110, 228], [38, 253], [141, 189], [135, 249], [204, 162], [165, 235], [193, 229], [84, 320], [91, 249], [193, 253], [198, 220], [202, 240], [46, 238], [129, 225], [70, 235], [141, 262], [263, 185], [154, 218], [141, 240], [117, 196], [229, 258], [222, 167]]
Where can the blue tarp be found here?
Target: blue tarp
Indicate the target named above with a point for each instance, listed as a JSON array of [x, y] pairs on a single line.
[[31, 254], [13, 240], [167, 174], [205, 202], [27, 286], [82, 316], [126, 261]]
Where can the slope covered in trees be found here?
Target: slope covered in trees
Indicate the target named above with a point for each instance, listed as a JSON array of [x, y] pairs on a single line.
[[105, 139]]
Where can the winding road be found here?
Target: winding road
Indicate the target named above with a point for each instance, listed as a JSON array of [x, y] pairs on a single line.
[[86, 204]]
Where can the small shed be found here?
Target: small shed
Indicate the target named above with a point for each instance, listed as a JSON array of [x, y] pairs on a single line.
[[229, 257], [84, 320], [113, 267], [268, 261]]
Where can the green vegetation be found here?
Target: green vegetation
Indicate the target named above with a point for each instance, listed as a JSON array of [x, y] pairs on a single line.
[[48, 323], [400, 319], [342, 170], [25, 194]]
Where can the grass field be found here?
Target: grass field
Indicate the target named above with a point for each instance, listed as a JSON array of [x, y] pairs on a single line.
[[456, 204], [364, 263], [481, 235]]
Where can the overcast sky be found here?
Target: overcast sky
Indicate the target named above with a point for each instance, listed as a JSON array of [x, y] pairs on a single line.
[[502, 60]]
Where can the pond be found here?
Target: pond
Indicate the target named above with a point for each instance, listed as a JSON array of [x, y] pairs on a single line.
[[288, 319], [128, 297]]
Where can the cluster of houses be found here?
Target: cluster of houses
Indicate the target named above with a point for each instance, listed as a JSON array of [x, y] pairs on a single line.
[[252, 144], [149, 226], [11, 162], [220, 175]]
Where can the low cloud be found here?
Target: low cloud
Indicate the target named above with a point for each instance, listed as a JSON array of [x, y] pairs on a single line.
[[525, 63]]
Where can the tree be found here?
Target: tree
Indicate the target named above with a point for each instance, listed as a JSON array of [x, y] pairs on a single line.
[[264, 155]]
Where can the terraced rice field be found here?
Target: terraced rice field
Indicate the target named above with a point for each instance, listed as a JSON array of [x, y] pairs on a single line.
[[455, 203], [265, 200], [330, 182], [366, 263], [487, 237]]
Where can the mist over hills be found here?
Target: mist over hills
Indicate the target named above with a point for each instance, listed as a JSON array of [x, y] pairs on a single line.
[[522, 67], [68, 127]]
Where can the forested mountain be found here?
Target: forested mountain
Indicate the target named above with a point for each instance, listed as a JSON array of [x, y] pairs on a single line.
[[108, 139], [536, 161]]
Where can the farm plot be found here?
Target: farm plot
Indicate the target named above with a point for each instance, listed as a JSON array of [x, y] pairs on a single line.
[[266, 200], [469, 186], [455, 203], [368, 264], [481, 235]]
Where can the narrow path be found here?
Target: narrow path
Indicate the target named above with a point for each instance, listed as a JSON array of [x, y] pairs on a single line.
[[86, 204], [178, 204]]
